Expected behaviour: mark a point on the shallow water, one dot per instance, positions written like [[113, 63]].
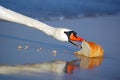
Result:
[[103, 30]]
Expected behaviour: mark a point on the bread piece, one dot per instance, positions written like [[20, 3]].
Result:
[[91, 49]]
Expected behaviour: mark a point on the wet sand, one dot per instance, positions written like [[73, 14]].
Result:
[[23, 48]]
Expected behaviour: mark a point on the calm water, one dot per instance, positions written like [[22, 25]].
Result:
[[38, 63], [34, 60]]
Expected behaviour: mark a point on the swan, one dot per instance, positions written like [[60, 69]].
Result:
[[61, 34]]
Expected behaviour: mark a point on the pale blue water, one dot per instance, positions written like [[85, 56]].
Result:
[[47, 9], [13, 35], [105, 32]]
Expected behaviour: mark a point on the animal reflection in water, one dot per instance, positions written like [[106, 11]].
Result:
[[57, 66]]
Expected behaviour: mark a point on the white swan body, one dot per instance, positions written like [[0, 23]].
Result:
[[61, 34]]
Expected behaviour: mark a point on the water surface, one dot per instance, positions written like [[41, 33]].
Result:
[[60, 9], [103, 30]]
